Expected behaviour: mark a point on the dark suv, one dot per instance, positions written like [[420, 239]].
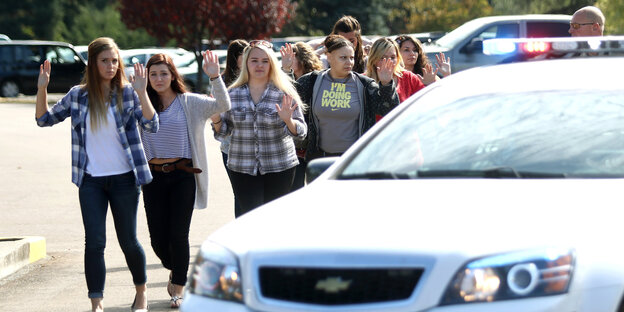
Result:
[[20, 60]]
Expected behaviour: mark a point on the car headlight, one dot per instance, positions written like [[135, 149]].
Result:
[[514, 275], [216, 274]]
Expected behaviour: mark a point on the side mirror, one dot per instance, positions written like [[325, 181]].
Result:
[[317, 166], [475, 45]]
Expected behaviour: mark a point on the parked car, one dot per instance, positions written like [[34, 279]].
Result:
[[181, 58], [184, 61], [190, 73], [426, 37], [20, 60], [464, 45], [83, 51], [495, 189]]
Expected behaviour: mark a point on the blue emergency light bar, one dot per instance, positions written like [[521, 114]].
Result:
[[561, 45]]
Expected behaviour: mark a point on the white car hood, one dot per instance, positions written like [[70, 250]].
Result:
[[466, 216]]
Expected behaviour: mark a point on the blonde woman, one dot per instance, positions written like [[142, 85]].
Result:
[[108, 161], [407, 83], [266, 115]]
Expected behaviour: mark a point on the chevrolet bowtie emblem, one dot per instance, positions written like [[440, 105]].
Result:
[[332, 285]]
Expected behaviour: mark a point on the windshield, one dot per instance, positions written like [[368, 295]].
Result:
[[549, 134], [460, 33]]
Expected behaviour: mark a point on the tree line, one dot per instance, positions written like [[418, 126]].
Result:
[[80, 21]]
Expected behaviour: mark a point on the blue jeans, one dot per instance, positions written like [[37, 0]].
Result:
[[122, 193]]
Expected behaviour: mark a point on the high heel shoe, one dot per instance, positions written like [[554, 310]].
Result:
[[138, 310]]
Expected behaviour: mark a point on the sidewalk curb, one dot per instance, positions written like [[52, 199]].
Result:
[[16, 252]]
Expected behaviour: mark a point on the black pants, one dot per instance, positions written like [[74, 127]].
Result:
[[253, 191], [237, 210], [299, 180], [169, 201]]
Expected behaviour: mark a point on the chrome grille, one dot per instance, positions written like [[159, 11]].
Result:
[[338, 286]]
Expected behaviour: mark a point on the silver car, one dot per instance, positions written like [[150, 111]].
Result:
[[495, 189], [464, 45]]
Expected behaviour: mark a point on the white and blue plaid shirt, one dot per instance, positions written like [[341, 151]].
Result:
[[75, 104], [261, 142]]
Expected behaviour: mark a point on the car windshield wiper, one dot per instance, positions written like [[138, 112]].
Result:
[[375, 175], [490, 173]]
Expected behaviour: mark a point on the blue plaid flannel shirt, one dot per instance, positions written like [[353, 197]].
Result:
[[75, 104]]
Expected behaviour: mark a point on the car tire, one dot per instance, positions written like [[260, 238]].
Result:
[[9, 88]]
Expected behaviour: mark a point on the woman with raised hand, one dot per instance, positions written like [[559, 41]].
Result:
[[300, 59], [108, 161], [343, 103], [233, 64], [406, 82], [178, 162], [416, 61], [266, 115]]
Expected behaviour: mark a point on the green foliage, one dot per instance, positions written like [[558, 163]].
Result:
[[445, 15], [30, 19], [75, 21], [317, 17], [614, 15], [512, 7], [91, 23]]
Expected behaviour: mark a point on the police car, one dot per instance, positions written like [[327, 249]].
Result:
[[553, 48], [497, 188]]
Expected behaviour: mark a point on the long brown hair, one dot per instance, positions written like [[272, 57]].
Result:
[[177, 84], [422, 57], [347, 24], [91, 81], [307, 57], [235, 49]]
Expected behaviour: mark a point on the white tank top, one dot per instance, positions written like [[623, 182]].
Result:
[[105, 154]]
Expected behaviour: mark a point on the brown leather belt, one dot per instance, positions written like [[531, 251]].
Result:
[[183, 164]]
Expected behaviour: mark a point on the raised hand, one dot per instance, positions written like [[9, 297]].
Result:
[[444, 64], [285, 112], [139, 79], [211, 64], [44, 75], [288, 56], [429, 74], [385, 71]]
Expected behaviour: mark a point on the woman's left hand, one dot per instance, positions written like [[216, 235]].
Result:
[[444, 64], [211, 64], [288, 56], [139, 79], [385, 71], [429, 75], [286, 111]]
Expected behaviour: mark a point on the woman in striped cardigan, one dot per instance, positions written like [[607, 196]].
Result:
[[177, 159]]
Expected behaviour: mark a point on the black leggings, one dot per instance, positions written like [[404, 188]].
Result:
[[169, 201], [253, 191]]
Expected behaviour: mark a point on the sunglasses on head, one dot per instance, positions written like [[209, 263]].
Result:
[[400, 40], [255, 43], [578, 25]]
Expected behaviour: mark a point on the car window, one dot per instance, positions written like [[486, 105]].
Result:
[[67, 55], [6, 54], [28, 54], [572, 134], [547, 29], [61, 55], [500, 31]]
